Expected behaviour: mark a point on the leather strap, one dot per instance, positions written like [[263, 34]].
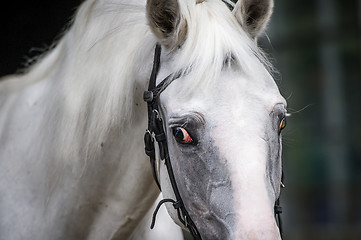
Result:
[[156, 129]]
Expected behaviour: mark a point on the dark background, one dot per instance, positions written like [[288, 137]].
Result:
[[27, 28], [316, 46]]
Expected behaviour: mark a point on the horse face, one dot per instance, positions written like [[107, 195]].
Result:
[[224, 137], [225, 148]]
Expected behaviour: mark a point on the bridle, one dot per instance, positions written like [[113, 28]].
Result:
[[156, 132], [155, 127]]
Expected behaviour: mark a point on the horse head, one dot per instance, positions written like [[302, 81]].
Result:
[[222, 114]]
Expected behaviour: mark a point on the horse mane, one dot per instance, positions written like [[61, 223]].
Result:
[[99, 60], [216, 40]]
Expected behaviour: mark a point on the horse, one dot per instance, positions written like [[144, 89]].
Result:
[[186, 73]]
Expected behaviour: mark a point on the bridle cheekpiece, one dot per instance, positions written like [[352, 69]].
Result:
[[156, 131]]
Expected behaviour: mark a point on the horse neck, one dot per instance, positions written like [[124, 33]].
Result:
[[95, 112], [98, 71]]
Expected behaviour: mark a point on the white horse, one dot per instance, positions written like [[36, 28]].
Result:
[[72, 162]]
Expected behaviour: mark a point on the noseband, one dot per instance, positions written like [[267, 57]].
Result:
[[156, 131]]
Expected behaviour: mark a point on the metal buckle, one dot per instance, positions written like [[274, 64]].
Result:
[[186, 221], [157, 114]]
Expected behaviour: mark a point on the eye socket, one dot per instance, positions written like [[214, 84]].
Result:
[[181, 135], [282, 125]]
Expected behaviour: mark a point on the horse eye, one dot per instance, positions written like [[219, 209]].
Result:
[[282, 125], [181, 135]]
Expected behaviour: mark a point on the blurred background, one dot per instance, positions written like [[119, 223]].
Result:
[[316, 47]]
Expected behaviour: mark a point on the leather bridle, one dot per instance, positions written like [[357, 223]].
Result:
[[156, 131]]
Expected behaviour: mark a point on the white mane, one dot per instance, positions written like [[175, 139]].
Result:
[[100, 59], [216, 40], [96, 64]]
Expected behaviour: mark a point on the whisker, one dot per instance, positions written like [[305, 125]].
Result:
[[300, 110], [289, 97]]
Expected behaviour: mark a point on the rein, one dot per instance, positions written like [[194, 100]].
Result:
[[156, 132]]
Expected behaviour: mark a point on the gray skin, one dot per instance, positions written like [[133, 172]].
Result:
[[204, 193], [274, 141]]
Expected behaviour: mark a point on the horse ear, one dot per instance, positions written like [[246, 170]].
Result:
[[254, 15], [164, 18]]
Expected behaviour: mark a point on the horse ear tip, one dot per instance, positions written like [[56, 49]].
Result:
[[164, 19], [254, 16]]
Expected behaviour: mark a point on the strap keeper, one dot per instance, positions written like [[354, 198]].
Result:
[[148, 96], [178, 204], [160, 137]]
